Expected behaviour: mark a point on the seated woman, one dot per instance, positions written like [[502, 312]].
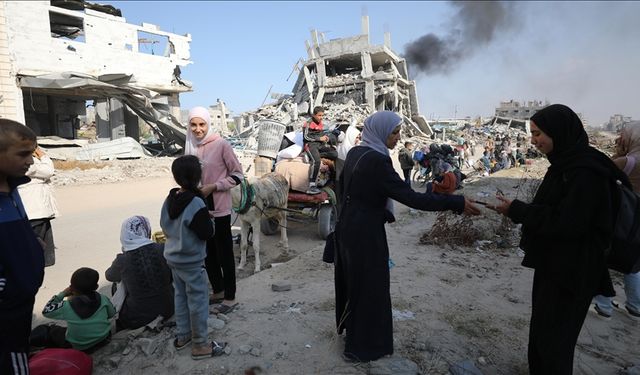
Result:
[[145, 275], [449, 180]]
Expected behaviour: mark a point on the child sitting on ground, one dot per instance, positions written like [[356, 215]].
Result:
[[186, 224], [86, 312]]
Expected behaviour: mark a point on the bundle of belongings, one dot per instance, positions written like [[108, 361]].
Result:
[[293, 161]]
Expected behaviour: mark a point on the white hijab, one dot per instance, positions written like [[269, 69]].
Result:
[[377, 129], [135, 233], [192, 143]]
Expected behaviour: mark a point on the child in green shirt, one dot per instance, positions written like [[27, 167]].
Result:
[[86, 312]]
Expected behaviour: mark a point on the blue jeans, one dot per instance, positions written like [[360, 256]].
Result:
[[631, 289], [191, 303]]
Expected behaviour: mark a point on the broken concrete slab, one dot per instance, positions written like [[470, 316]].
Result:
[[281, 286]]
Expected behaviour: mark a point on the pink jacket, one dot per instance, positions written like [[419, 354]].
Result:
[[219, 163]]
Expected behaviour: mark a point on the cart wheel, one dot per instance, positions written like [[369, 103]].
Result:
[[327, 216], [269, 226]]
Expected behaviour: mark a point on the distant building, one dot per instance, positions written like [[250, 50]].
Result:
[[616, 122], [514, 109]]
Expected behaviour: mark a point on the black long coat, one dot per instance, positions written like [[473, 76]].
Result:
[[363, 303]]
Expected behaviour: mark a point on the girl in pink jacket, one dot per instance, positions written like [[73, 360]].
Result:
[[221, 171]]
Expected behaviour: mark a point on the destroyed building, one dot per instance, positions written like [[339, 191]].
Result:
[[351, 78], [616, 122], [58, 57], [513, 109]]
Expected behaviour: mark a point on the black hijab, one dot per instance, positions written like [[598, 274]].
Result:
[[571, 143]]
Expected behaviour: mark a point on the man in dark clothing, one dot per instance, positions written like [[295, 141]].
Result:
[[318, 144], [406, 161], [21, 255]]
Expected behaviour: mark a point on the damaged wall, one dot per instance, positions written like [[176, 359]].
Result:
[[110, 46]]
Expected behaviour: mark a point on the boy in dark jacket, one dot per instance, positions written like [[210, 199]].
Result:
[[86, 312], [186, 223], [21, 255]]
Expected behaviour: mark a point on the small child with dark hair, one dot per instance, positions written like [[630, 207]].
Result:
[[86, 312], [187, 225]]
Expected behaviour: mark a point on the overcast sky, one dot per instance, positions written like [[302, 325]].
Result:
[[465, 57]]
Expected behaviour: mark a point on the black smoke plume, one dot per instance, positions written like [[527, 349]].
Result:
[[475, 24]]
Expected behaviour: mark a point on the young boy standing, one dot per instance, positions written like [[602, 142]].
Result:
[[21, 254], [186, 224]]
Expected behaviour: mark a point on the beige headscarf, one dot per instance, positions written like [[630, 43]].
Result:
[[629, 146]]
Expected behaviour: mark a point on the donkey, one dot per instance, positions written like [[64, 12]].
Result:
[[261, 198]]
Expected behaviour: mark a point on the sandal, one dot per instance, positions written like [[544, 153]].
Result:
[[180, 346], [223, 309], [215, 300]]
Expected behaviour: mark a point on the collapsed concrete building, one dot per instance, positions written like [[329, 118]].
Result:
[[58, 56], [349, 77]]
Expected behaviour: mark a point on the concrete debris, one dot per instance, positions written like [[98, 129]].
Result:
[[215, 324], [465, 367], [400, 315], [244, 349], [148, 345], [393, 366], [281, 286]]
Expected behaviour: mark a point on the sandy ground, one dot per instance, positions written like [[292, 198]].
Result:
[[451, 302]]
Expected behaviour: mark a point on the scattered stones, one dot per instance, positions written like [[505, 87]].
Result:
[[223, 317], [482, 361], [281, 286], [113, 362], [148, 346], [465, 367], [393, 366], [244, 349], [255, 352], [215, 323]]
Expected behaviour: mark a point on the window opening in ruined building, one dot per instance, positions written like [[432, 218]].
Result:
[[347, 64], [67, 27], [154, 44]]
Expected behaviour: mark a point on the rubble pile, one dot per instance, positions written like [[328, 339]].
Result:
[[351, 79], [111, 171]]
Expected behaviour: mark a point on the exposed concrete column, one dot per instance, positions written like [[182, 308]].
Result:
[[367, 66], [103, 130], [402, 68], [369, 92], [413, 98], [365, 27], [321, 72], [116, 119], [310, 50], [174, 104]]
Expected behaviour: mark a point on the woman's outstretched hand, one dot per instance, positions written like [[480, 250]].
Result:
[[503, 206], [470, 208]]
